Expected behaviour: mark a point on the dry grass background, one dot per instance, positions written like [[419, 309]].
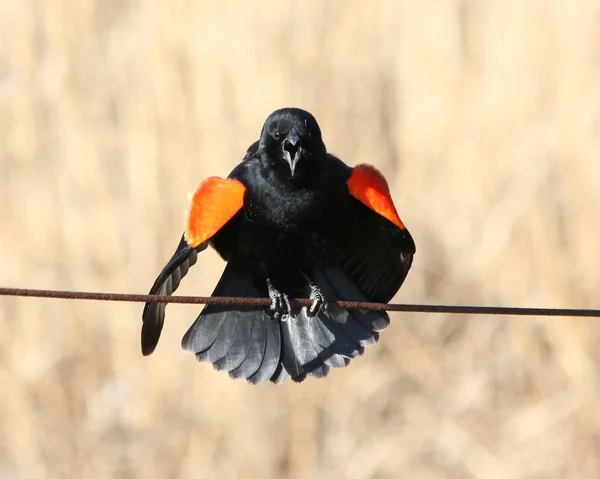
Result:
[[485, 115]]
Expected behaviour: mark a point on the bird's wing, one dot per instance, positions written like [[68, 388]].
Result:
[[381, 250], [214, 203]]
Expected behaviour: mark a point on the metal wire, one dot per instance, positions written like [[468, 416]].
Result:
[[234, 301]]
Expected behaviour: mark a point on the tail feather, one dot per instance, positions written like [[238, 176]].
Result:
[[342, 344], [248, 344], [223, 342], [239, 347], [241, 340], [203, 333], [335, 286], [290, 354], [313, 345], [324, 340], [280, 374], [342, 288], [305, 346], [352, 328], [254, 357], [271, 355]]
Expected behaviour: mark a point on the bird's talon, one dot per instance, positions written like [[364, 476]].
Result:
[[286, 300], [280, 303], [319, 304]]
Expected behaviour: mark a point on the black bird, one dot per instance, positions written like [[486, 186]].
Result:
[[291, 220]]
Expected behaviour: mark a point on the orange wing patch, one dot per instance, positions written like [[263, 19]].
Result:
[[369, 186], [212, 205]]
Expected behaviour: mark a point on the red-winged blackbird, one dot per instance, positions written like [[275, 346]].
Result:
[[291, 220]]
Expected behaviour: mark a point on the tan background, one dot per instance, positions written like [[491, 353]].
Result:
[[485, 115]]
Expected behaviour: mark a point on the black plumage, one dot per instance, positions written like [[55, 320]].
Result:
[[298, 233]]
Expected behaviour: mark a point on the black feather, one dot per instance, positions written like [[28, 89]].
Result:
[[167, 282], [224, 340], [289, 357], [324, 341], [378, 256], [256, 349], [271, 355], [233, 338], [239, 348], [304, 347], [298, 216]]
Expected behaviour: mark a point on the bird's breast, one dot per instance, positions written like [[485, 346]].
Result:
[[284, 210], [283, 230]]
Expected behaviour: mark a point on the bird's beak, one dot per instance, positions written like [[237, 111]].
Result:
[[291, 149]]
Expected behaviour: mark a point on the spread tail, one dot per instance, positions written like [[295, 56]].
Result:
[[248, 344]]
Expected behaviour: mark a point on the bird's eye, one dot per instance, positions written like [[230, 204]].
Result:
[[276, 134]]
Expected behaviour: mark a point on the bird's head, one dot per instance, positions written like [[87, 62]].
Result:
[[291, 141]]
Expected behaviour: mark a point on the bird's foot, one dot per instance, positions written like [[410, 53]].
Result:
[[280, 307], [319, 304]]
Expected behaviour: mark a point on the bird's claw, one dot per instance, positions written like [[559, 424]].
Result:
[[280, 307], [319, 304]]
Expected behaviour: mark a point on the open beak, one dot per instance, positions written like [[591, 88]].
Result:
[[292, 150]]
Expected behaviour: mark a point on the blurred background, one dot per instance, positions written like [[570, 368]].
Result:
[[485, 117]]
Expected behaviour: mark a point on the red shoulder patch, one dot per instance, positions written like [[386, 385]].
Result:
[[212, 205], [369, 186]]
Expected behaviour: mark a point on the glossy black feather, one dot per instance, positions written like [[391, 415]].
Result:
[[378, 255], [271, 354], [167, 282], [292, 227]]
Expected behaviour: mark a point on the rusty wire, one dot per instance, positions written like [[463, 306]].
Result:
[[235, 301]]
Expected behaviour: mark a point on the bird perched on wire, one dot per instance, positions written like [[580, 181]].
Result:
[[291, 220]]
